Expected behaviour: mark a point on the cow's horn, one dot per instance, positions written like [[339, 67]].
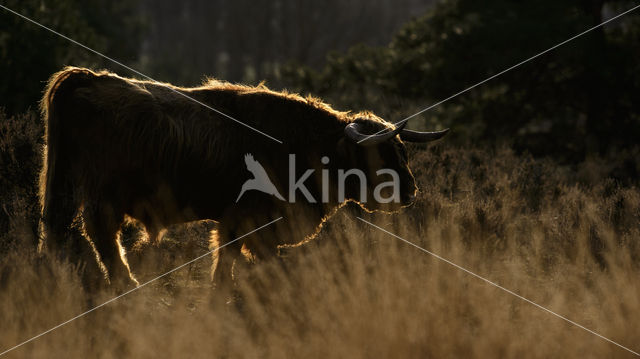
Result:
[[415, 136], [353, 132]]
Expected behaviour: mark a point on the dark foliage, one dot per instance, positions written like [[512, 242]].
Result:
[[20, 163], [573, 101], [29, 54]]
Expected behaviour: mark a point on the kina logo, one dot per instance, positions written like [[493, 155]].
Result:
[[260, 181]]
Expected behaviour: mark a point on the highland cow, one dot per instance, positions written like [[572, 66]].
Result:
[[121, 147]]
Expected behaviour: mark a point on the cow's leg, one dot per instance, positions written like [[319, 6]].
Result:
[[58, 213], [60, 236], [269, 271], [102, 223], [224, 258], [263, 247]]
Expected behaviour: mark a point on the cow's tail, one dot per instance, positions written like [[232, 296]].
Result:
[[58, 202]]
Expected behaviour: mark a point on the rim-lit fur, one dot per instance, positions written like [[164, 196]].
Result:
[[121, 147]]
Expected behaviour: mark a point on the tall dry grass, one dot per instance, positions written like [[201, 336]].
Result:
[[566, 238]]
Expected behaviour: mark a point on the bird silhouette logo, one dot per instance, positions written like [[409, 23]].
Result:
[[260, 180]]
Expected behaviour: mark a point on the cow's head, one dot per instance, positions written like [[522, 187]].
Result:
[[373, 145]]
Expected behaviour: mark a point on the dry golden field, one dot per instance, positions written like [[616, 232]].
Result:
[[566, 238]]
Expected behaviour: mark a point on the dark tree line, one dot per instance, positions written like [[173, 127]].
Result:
[[184, 41], [30, 54], [576, 100], [247, 40]]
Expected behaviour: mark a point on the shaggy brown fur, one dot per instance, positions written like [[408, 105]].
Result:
[[119, 146]]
